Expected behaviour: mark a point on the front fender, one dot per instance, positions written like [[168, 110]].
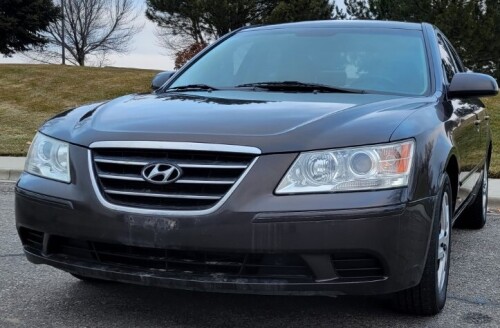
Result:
[[430, 127]]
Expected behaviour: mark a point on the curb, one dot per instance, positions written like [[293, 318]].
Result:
[[493, 202], [11, 167], [10, 175]]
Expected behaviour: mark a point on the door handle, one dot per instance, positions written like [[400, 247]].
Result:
[[477, 122]]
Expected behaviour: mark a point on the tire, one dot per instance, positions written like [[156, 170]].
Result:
[[474, 217], [89, 279], [429, 296]]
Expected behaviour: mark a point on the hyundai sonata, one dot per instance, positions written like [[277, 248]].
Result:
[[322, 158]]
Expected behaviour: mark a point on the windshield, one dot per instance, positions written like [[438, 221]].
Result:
[[371, 60]]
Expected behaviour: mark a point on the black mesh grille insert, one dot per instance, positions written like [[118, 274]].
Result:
[[31, 238], [357, 265], [231, 265]]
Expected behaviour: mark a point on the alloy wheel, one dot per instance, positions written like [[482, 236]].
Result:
[[485, 189], [444, 242]]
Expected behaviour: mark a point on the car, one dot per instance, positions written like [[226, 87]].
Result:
[[311, 158]]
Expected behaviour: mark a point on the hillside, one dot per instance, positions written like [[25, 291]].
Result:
[[29, 94], [493, 105]]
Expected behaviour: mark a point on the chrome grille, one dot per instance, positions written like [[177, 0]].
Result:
[[208, 176]]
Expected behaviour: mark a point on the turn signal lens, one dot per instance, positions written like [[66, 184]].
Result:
[[396, 159]]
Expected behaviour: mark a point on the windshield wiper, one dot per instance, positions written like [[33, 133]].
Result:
[[298, 86], [192, 87]]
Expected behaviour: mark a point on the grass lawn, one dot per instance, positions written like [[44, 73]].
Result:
[[30, 94], [493, 105]]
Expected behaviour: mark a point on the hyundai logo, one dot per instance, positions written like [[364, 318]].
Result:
[[161, 173]]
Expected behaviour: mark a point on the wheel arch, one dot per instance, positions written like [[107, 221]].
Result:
[[453, 170]]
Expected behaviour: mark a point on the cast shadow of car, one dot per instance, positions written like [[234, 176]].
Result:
[[129, 305]]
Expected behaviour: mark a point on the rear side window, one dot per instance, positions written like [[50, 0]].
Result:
[[458, 61]]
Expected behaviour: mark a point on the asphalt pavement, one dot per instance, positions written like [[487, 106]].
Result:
[[41, 296]]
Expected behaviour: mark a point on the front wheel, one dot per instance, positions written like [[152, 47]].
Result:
[[429, 296]]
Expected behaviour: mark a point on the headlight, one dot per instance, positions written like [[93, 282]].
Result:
[[48, 158], [350, 169]]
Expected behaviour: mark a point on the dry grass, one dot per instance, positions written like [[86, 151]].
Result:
[[493, 105], [30, 94]]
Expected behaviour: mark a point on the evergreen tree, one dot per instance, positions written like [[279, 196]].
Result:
[[22, 23], [473, 26], [300, 10], [487, 56], [200, 21]]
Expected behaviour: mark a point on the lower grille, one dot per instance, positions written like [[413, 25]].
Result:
[[290, 267], [32, 239], [357, 265], [232, 265]]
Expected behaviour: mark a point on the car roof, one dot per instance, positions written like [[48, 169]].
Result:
[[343, 24]]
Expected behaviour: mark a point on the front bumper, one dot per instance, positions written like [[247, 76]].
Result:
[[323, 244]]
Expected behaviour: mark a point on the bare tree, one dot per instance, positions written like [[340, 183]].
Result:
[[183, 24], [173, 41], [92, 27]]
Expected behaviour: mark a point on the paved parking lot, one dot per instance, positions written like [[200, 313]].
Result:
[[39, 296]]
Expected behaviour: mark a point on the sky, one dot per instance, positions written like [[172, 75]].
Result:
[[145, 50]]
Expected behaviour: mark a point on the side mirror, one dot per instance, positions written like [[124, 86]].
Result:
[[466, 85], [160, 79]]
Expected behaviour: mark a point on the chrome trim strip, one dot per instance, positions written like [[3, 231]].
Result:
[[120, 177], [191, 166], [152, 195], [128, 209], [112, 161], [217, 182], [210, 166], [183, 181], [177, 146]]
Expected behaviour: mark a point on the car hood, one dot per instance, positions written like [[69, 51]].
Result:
[[272, 122]]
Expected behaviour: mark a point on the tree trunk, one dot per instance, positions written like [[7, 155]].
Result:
[[81, 59]]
